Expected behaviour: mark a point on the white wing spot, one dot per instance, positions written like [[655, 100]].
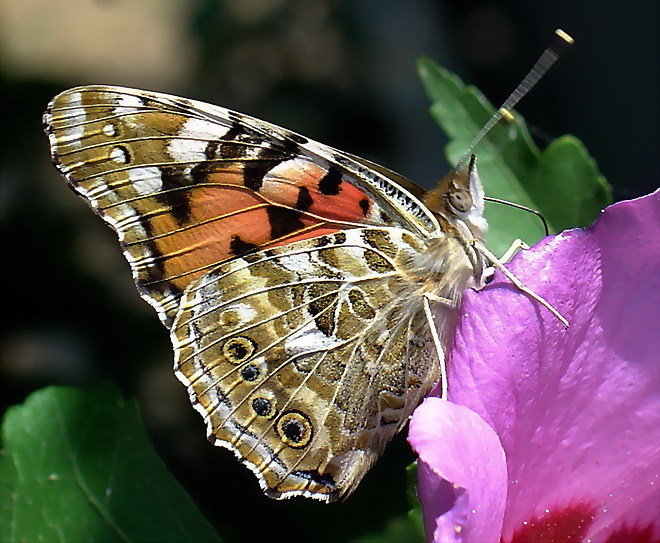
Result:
[[310, 338], [75, 119], [237, 315], [296, 263], [119, 155], [146, 180], [110, 130], [128, 104], [189, 145]]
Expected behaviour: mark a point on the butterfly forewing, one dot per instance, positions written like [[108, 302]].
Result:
[[186, 189]]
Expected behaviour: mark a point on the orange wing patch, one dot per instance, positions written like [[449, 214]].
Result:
[[225, 219], [307, 186]]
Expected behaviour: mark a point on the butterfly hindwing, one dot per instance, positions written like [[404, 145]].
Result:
[[306, 359]]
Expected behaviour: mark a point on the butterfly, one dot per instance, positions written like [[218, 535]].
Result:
[[310, 294]]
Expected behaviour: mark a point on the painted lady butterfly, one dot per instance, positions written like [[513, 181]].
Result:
[[299, 283]]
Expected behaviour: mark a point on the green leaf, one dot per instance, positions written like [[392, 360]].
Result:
[[396, 530], [562, 182], [409, 528], [415, 513], [78, 466]]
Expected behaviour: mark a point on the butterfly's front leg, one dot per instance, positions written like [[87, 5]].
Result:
[[516, 246], [497, 263]]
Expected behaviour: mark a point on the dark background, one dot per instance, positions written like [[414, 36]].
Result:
[[341, 72]]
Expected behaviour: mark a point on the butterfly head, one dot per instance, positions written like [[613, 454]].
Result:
[[459, 199]]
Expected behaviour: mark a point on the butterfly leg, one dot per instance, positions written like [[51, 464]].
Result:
[[516, 246], [451, 304], [497, 263], [436, 337]]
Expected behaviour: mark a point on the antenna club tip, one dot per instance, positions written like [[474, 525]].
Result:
[[564, 36], [506, 115]]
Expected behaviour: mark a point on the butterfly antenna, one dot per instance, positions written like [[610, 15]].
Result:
[[543, 64], [522, 207]]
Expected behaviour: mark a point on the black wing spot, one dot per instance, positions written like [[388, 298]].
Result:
[[385, 217], [239, 247], [283, 221], [211, 150], [255, 169], [230, 147], [330, 183], [199, 172], [174, 193], [261, 406], [250, 373], [297, 138], [295, 429], [365, 205], [305, 200], [238, 349], [340, 238], [289, 148], [323, 241]]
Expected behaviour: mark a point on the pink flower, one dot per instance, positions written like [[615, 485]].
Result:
[[553, 434]]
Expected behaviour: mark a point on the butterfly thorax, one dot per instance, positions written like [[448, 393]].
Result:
[[452, 262]]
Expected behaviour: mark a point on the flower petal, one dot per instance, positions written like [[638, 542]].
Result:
[[461, 472], [577, 410]]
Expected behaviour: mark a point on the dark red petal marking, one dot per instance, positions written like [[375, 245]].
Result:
[[568, 525], [633, 535]]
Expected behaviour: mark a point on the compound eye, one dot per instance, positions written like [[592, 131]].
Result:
[[460, 200]]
